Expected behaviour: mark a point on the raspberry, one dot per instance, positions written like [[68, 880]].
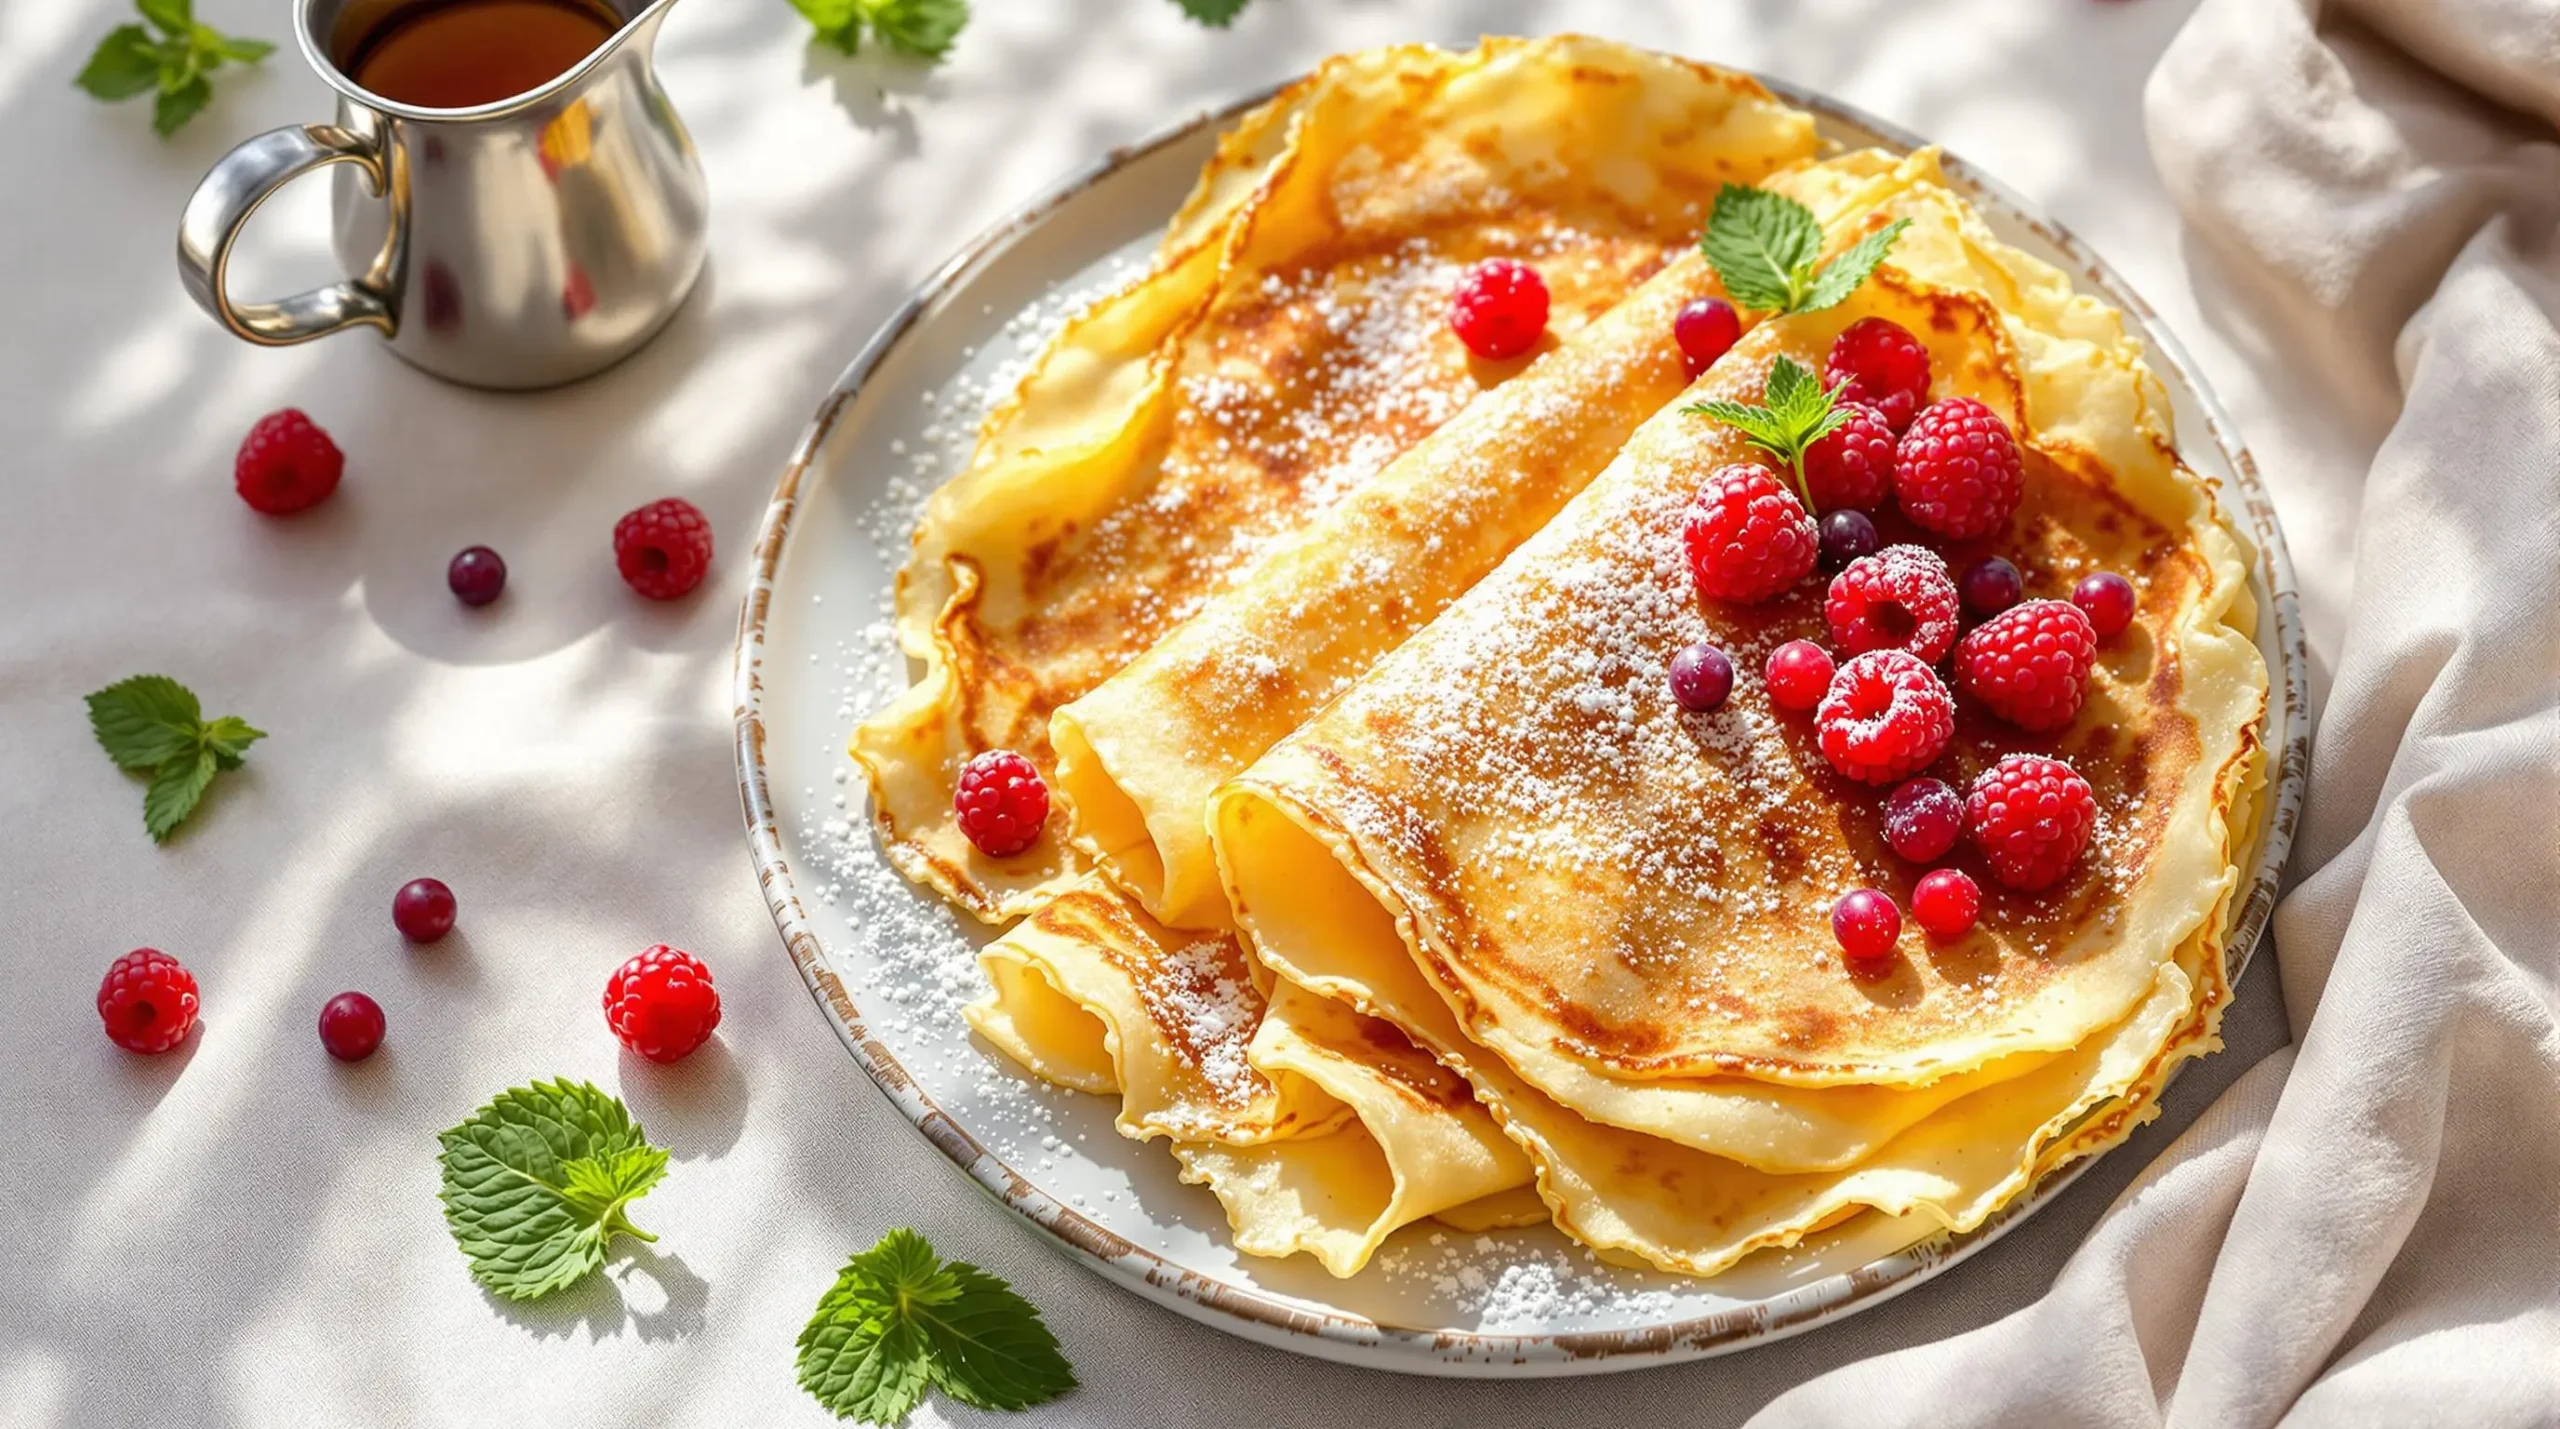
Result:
[[2031, 817], [1991, 585], [1798, 674], [422, 910], [1945, 901], [477, 576], [1956, 472], [1701, 677], [1847, 536], [1852, 468], [1897, 599], [1748, 537], [1886, 715], [286, 464], [663, 548], [1501, 309], [2107, 599], [148, 1001], [2030, 663], [662, 1004], [1866, 923], [1885, 366], [1002, 803], [1705, 329], [1922, 820], [351, 1026]]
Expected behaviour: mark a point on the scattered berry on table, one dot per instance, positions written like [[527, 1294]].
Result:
[[1798, 674], [1701, 677], [148, 1001], [1956, 472], [661, 1004], [1748, 536], [2030, 816], [1885, 366], [1705, 329], [1500, 310], [1990, 586], [1923, 818], [423, 910], [2030, 663], [1853, 466], [2107, 599], [663, 548], [1900, 598], [476, 576], [1946, 902], [1846, 536], [286, 464], [1866, 923], [351, 1026], [1002, 802], [1885, 716]]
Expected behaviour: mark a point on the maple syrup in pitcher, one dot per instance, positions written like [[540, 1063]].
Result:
[[458, 54]]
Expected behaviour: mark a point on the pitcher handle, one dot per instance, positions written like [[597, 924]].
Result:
[[232, 190]]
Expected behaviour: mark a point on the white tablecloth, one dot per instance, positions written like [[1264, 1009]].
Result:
[[247, 1233]]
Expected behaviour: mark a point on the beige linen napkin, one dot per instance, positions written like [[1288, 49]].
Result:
[[2366, 1228]]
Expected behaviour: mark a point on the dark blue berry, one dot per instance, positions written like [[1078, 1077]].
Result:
[[1990, 587], [1847, 536]]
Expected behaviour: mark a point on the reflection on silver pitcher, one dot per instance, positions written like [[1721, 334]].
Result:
[[520, 243]]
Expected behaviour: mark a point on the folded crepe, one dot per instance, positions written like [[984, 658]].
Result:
[[1290, 340], [1610, 915]]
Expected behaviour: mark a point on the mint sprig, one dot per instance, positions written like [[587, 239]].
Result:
[[918, 29], [131, 61], [539, 1181], [1216, 14], [1794, 412], [151, 724], [900, 1320], [1766, 248]]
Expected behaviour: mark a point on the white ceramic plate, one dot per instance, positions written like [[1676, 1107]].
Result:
[[889, 967]]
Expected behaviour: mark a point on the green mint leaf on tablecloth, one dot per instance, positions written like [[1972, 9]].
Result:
[[229, 738], [899, 1319], [174, 791], [176, 106], [1217, 14], [835, 22], [538, 1182], [174, 18], [247, 52], [1792, 414], [142, 721], [126, 63], [918, 29], [1762, 246], [1841, 276]]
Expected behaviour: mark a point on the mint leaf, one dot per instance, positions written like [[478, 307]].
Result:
[[176, 106], [537, 1183], [1216, 14], [835, 22], [174, 18], [143, 721], [174, 792], [1793, 413], [918, 29], [1762, 246], [1841, 276], [230, 737], [247, 52], [898, 1318], [126, 63]]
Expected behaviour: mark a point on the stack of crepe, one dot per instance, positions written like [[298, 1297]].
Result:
[[1387, 881]]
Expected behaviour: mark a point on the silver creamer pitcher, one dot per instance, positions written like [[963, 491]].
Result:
[[523, 243]]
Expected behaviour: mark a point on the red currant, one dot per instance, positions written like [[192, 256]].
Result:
[[1798, 675], [351, 1026], [423, 910], [1922, 820], [2107, 599], [1946, 902], [1866, 923], [1501, 309], [1701, 677], [1991, 586], [1705, 329]]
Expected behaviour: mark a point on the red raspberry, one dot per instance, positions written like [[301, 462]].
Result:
[[1501, 309], [1885, 716], [1749, 538], [148, 1001], [286, 464], [1853, 467], [661, 1004], [1900, 598], [1885, 366], [1798, 674], [1866, 923], [1922, 820], [663, 548], [2031, 817], [2107, 599], [1945, 901], [1002, 802], [2030, 663], [1956, 471], [1705, 329]]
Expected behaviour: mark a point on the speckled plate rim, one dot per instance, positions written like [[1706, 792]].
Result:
[[1352, 1338]]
